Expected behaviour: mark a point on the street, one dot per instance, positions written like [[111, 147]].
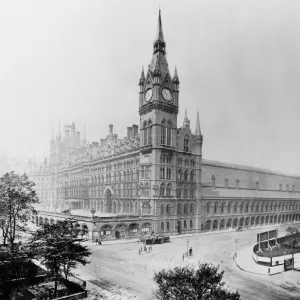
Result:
[[121, 265]]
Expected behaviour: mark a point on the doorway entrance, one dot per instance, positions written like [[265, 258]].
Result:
[[117, 235]]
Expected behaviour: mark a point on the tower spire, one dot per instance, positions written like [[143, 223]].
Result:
[[159, 31], [198, 130]]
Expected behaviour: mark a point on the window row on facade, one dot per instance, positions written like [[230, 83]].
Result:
[[237, 184], [241, 207], [217, 224]]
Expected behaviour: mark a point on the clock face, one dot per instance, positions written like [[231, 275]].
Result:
[[167, 94], [148, 94]]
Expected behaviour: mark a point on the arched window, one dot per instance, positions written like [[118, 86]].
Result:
[[167, 209], [142, 189], [162, 226], [145, 134], [179, 209], [185, 209], [191, 192], [162, 189], [168, 226], [222, 208], [247, 207], [229, 207], [179, 192], [186, 143], [192, 176], [169, 134], [162, 209], [235, 207], [147, 189], [180, 175], [169, 189], [185, 192], [163, 132], [191, 208], [207, 207], [215, 208], [149, 132], [191, 223], [185, 175]]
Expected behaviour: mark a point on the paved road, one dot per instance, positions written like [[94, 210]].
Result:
[[120, 264]]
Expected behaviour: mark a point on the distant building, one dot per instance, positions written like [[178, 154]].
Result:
[[154, 179]]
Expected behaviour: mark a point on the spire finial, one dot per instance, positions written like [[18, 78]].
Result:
[[159, 32], [175, 77], [198, 130], [142, 79]]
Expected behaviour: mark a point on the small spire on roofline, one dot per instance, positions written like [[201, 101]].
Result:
[[142, 79], [175, 77], [198, 130]]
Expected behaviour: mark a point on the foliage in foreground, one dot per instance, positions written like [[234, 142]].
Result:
[[59, 250], [202, 282], [17, 199]]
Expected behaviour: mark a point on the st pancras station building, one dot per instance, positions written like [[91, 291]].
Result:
[[155, 180]]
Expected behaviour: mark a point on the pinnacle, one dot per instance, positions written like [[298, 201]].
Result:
[[159, 32], [198, 130], [175, 77], [142, 79]]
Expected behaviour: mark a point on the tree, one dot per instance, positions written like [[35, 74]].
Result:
[[17, 199], [294, 233], [190, 283], [59, 250]]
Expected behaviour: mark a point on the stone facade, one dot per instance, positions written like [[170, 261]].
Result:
[[154, 179]]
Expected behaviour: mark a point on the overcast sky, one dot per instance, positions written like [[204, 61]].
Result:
[[238, 63]]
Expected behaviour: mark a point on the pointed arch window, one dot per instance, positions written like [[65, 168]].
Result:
[[185, 175], [191, 192], [169, 133], [149, 132], [145, 134], [207, 207], [162, 189], [185, 192], [169, 189], [179, 192], [163, 132]]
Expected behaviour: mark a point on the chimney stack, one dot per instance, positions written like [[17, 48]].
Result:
[[129, 132], [111, 131], [135, 129]]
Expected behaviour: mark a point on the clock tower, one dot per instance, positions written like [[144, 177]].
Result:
[[158, 109]]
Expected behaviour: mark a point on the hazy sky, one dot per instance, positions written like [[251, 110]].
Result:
[[238, 63]]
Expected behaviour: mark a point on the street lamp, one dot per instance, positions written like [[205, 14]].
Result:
[[187, 247], [93, 210], [236, 241]]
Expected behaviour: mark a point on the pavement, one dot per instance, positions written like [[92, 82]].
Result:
[[245, 262]]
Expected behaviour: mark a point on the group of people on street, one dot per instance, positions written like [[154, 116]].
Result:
[[145, 249]]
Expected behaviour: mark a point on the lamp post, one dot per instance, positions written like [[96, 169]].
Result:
[[187, 247], [236, 241], [93, 210]]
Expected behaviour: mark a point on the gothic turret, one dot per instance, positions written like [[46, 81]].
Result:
[[198, 130]]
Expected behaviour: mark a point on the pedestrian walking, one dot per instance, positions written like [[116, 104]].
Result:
[[183, 257], [191, 252]]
